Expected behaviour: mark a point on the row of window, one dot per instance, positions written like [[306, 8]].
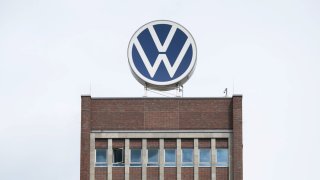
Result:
[[222, 157]]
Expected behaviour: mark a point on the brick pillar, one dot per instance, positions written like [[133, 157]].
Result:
[[92, 156], [85, 137], [237, 146]]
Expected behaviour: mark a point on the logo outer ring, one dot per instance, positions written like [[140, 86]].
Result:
[[168, 85]]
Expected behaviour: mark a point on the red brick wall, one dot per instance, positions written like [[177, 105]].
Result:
[[221, 143], [204, 143], [205, 173], [170, 143], [204, 114], [153, 173], [187, 173], [135, 143], [85, 138], [222, 173], [135, 173], [149, 114], [170, 173], [162, 114], [101, 173], [118, 173], [153, 143], [237, 138], [118, 143], [101, 143], [187, 143]]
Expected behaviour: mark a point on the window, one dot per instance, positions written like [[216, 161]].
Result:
[[135, 159], [222, 158], [118, 157], [205, 157], [170, 157], [187, 157], [101, 157], [153, 157]]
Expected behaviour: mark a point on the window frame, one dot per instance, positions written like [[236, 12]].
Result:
[[228, 158], [153, 164], [170, 164], [187, 164], [118, 164], [205, 164], [100, 164], [136, 164]]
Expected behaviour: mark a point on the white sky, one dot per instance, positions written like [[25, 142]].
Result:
[[51, 50]]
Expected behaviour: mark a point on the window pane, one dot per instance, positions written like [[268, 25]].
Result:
[[153, 156], [205, 155], [117, 155], [222, 157], [187, 155], [170, 155], [101, 157], [136, 155]]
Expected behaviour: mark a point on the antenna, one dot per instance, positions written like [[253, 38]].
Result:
[[233, 87], [90, 87], [226, 92]]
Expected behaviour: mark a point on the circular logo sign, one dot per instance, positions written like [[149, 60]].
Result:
[[162, 55]]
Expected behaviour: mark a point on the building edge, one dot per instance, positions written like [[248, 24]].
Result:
[[85, 137], [237, 144]]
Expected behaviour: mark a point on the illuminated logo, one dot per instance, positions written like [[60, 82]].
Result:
[[162, 55]]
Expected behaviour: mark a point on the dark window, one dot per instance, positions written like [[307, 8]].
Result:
[[118, 157]]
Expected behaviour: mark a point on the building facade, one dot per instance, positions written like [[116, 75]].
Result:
[[161, 138]]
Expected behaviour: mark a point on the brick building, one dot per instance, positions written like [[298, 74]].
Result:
[[161, 138]]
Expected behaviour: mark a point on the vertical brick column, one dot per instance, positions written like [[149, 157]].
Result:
[[237, 145], [92, 156], [85, 137], [213, 159], [230, 158]]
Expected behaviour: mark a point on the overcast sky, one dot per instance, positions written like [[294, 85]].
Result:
[[50, 51]]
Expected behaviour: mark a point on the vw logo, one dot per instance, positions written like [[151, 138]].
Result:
[[162, 55]]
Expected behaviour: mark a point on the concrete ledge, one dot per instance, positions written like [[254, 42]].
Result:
[[163, 131], [147, 135]]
